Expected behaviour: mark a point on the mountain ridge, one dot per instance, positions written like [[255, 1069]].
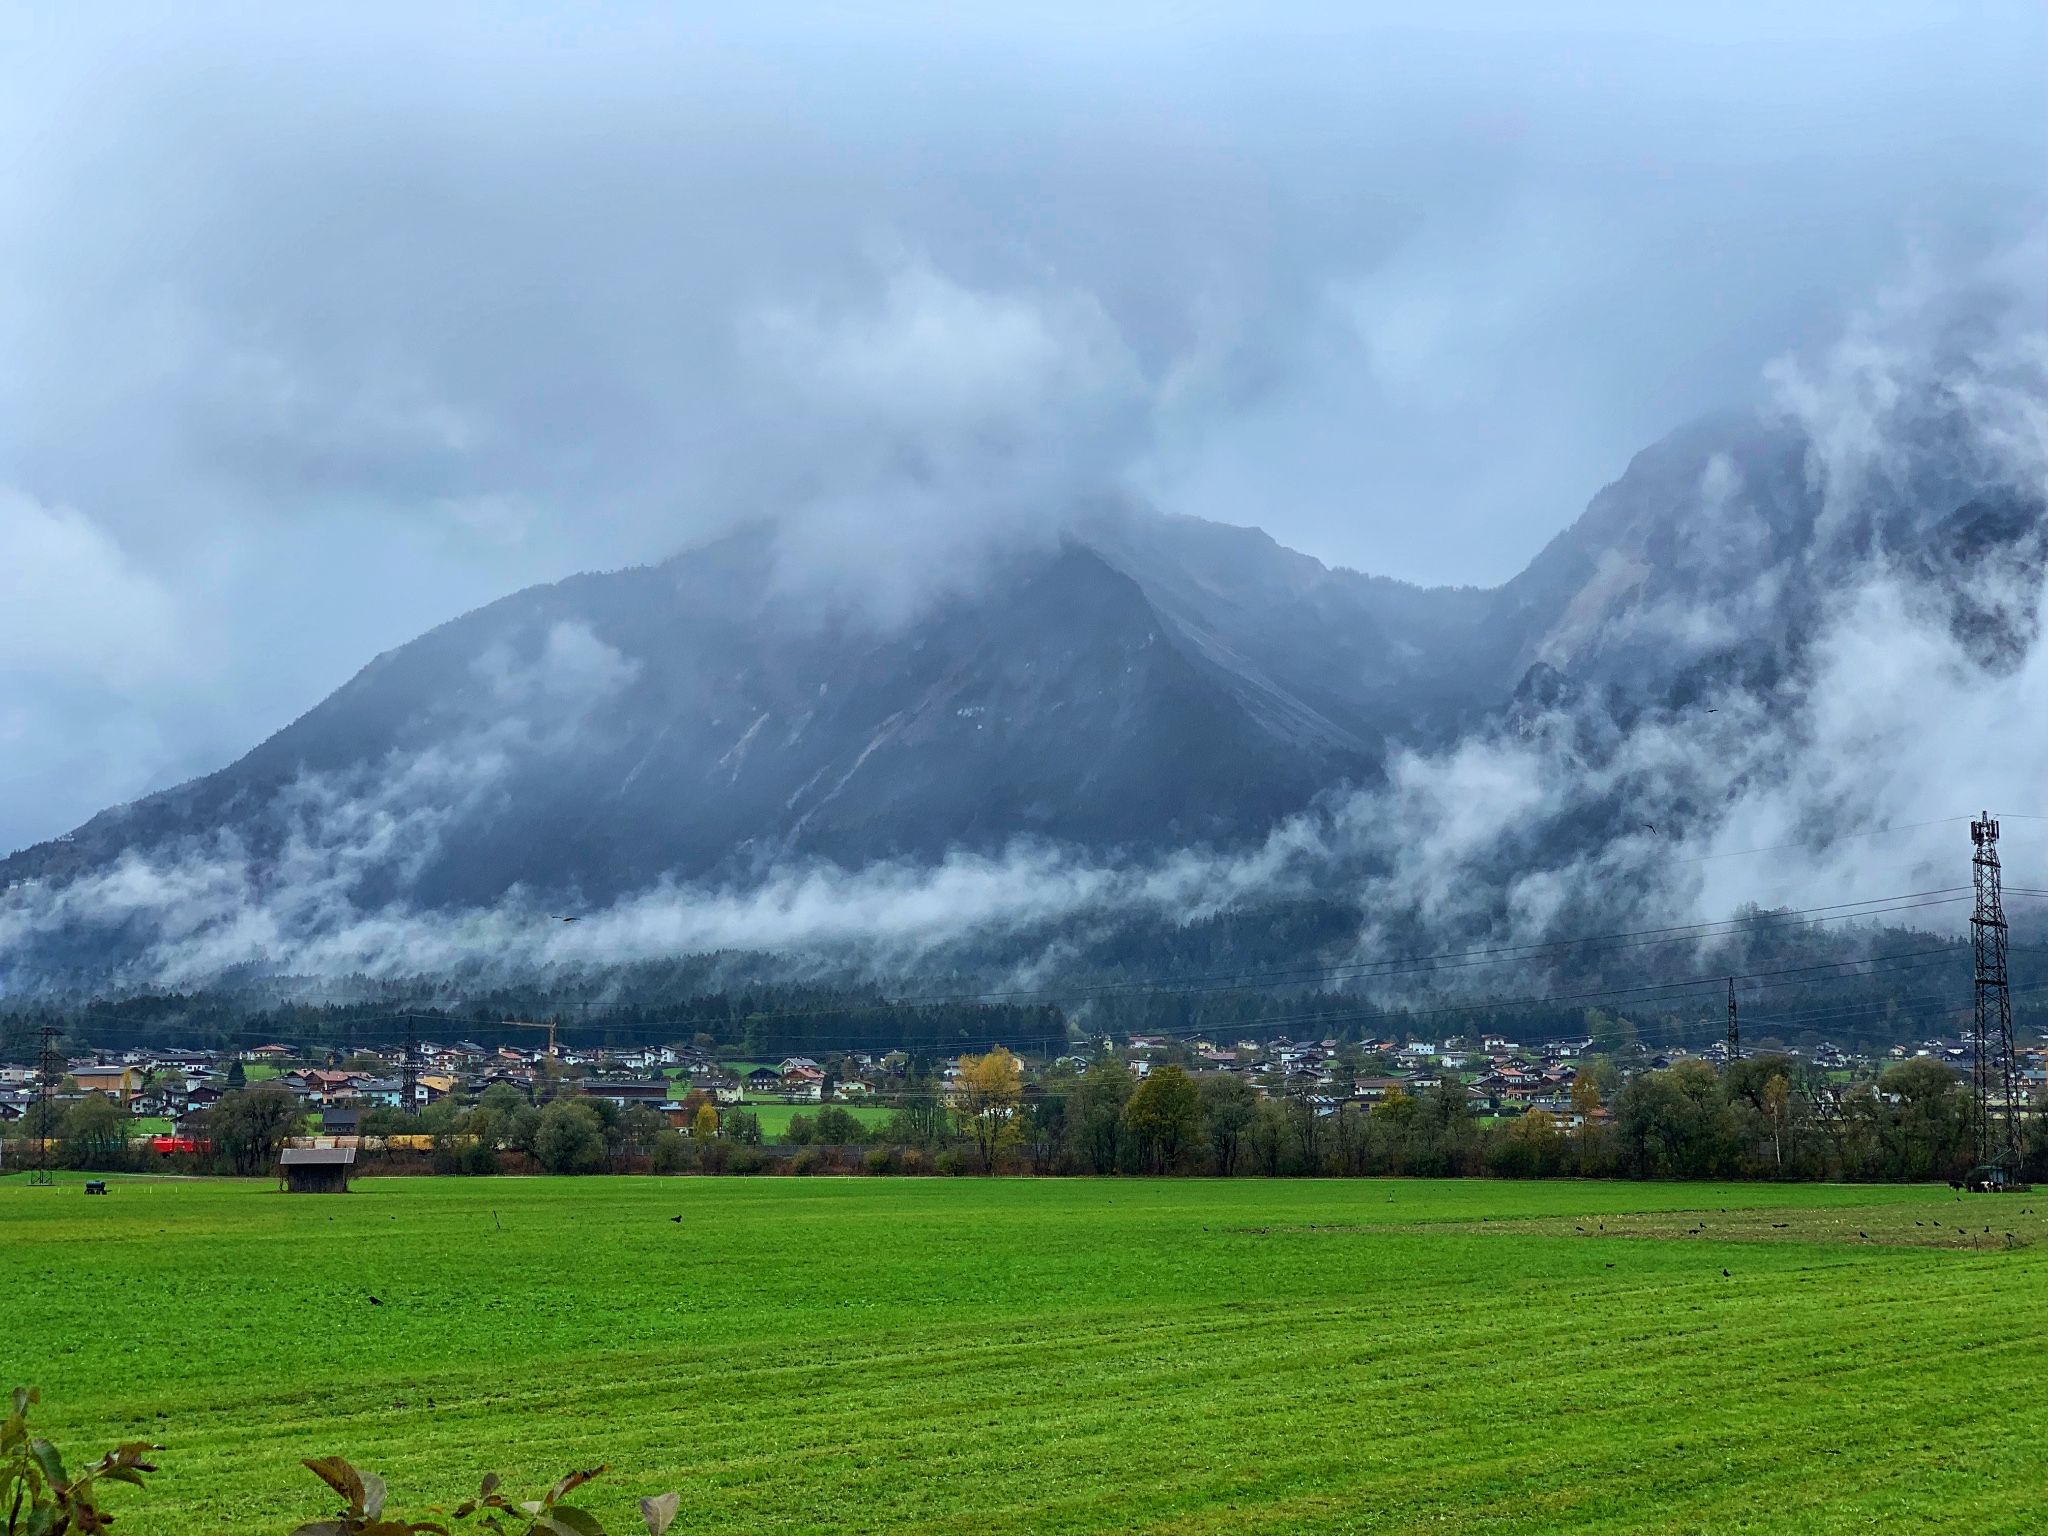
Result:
[[1148, 682]]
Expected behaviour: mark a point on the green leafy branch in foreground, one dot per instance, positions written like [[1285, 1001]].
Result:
[[38, 1496], [544, 1516]]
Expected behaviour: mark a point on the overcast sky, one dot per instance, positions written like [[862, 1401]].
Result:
[[319, 325]]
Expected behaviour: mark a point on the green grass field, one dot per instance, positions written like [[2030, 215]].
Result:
[[960, 1356], [775, 1118]]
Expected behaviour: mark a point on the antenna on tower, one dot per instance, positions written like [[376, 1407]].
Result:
[[1734, 1034], [1992, 1072], [49, 1073]]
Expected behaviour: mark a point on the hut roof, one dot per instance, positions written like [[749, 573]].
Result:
[[292, 1156]]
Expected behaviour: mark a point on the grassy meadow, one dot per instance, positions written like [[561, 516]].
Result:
[[775, 1117], [963, 1356]]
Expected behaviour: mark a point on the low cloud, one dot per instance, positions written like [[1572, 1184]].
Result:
[[73, 604], [936, 427], [1705, 811], [574, 667]]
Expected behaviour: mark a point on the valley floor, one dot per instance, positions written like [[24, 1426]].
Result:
[[935, 1355]]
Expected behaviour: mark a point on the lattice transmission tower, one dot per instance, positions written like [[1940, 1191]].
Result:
[[409, 1073], [1994, 1075]]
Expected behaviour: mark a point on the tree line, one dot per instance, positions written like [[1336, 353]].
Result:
[[1769, 1117]]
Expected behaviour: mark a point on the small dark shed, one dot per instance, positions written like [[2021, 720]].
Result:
[[317, 1170]]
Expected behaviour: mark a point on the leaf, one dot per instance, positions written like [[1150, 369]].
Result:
[[659, 1512], [489, 1486], [571, 1481], [321, 1528], [568, 1520], [340, 1476], [46, 1457], [373, 1495]]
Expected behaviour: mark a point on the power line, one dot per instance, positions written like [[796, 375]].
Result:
[[1367, 970], [1736, 853], [1360, 971], [1363, 970]]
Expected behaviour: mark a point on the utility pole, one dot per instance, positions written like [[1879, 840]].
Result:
[[49, 1073], [1992, 1075], [1734, 1034], [409, 1074]]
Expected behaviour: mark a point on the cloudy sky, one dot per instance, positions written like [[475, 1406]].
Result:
[[319, 325]]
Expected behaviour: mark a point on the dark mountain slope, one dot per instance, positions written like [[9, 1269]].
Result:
[[592, 736], [1316, 653]]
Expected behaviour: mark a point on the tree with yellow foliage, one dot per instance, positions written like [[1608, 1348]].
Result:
[[705, 1126], [990, 1089], [1585, 1095]]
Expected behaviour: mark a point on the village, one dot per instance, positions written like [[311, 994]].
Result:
[[167, 1092]]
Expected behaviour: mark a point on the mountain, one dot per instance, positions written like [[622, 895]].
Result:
[[589, 737], [1149, 682]]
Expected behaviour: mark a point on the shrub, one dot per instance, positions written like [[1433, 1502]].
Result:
[[809, 1160], [251, 1125], [884, 1160], [713, 1156], [38, 1497], [364, 1514], [836, 1127], [477, 1158], [745, 1159], [672, 1153], [95, 1133], [570, 1139], [913, 1160], [950, 1163]]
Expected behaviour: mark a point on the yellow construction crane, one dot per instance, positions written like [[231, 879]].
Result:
[[549, 1027]]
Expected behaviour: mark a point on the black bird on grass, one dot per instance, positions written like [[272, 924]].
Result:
[[375, 1302], [675, 1218]]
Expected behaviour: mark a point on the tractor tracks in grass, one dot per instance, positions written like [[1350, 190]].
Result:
[[1968, 1223]]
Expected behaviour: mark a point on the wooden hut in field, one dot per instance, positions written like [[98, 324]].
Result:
[[316, 1170]]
